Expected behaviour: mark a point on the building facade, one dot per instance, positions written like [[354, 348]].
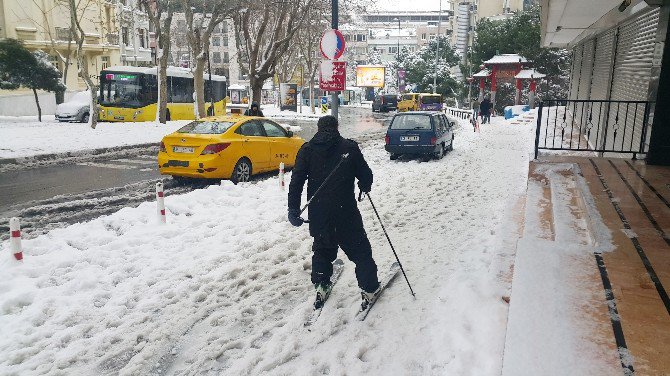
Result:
[[134, 33], [44, 25], [223, 55]]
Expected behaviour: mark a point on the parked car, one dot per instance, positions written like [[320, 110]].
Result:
[[231, 147], [76, 109], [385, 103], [426, 134]]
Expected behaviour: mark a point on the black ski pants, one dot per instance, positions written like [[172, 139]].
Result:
[[356, 246]]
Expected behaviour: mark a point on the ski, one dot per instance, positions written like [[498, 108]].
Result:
[[338, 268], [392, 273]]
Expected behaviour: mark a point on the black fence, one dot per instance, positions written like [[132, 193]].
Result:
[[593, 125], [461, 114]]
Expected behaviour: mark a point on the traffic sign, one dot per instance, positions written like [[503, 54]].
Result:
[[337, 80], [332, 44]]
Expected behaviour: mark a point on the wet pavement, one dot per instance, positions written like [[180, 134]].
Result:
[[51, 197]]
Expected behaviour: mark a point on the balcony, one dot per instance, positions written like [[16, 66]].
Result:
[[63, 34], [112, 38]]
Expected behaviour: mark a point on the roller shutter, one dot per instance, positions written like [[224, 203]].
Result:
[[630, 81], [600, 85], [576, 68]]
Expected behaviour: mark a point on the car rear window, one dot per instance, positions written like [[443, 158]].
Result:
[[411, 122], [206, 127], [390, 98]]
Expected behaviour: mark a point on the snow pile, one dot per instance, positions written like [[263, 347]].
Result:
[[224, 288], [276, 114], [21, 138]]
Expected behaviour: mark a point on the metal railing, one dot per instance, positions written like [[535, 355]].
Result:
[[593, 126], [459, 113]]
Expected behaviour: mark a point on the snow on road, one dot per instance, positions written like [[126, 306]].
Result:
[[224, 287]]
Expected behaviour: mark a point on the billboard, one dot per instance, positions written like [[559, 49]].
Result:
[[370, 75], [288, 97]]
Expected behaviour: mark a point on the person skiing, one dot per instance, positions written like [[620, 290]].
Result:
[[485, 108], [334, 219], [254, 110]]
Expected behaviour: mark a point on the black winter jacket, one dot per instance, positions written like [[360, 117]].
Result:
[[335, 206]]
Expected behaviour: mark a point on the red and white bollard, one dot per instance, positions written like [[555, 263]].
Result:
[[281, 176], [160, 203], [15, 239]]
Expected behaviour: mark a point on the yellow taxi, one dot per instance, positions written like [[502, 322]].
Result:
[[231, 147]]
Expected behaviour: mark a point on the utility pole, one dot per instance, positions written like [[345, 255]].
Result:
[[437, 53], [397, 71], [334, 99]]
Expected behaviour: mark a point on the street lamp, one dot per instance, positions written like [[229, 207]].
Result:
[[397, 70]]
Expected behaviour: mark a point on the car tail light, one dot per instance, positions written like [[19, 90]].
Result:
[[433, 140], [387, 139], [162, 147], [215, 148]]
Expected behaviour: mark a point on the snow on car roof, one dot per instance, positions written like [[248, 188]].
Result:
[[171, 71]]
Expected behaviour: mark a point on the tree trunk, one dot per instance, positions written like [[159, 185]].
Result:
[[199, 87], [39, 109], [311, 94], [162, 87], [256, 86]]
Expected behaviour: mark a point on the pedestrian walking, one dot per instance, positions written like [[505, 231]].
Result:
[[330, 164], [475, 109], [254, 110], [485, 109]]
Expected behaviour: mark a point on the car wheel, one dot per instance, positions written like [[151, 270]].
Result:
[[242, 171], [451, 145], [440, 153], [85, 117], [393, 157]]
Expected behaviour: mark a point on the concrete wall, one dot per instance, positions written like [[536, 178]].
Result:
[[24, 104]]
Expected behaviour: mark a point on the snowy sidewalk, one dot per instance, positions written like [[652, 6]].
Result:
[[224, 287]]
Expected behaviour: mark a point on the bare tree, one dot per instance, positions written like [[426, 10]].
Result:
[[160, 15], [200, 27], [264, 31], [77, 32], [308, 40]]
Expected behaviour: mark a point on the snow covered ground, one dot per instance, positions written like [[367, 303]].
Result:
[[224, 288], [25, 137]]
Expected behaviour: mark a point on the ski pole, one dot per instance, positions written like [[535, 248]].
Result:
[[344, 156], [391, 244]]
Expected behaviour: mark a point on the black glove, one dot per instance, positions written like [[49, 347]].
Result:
[[294, 217], [364, 188]]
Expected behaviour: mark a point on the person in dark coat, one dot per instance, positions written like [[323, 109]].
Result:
[[334, 219], [254, 110], [485, 109]]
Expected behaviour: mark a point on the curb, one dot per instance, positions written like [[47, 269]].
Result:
[[46, 160]]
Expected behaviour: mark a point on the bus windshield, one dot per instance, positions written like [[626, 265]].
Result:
[[122, 90], [431, 99]]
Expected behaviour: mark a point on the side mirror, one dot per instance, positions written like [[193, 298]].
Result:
[[290, 134]]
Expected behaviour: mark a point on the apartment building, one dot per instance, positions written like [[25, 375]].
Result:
[[134, 33], [222, 50], [44, 25]]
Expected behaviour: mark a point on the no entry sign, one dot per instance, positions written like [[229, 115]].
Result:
[[332, 44]]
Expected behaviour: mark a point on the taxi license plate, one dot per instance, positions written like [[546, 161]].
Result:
[[182, 149], [409, 138]]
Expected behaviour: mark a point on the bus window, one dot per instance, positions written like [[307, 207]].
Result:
[[431, 99], [181, 90]]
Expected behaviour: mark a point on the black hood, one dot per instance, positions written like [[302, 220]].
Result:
[[325, 141], [254, 104]]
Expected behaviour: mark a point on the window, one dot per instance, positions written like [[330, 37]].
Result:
[[423, 36], [124, 35], [361, 37], [251, 128], [431, 37], [105, 62], [411, 122], [224, 26], [216, 57], [226, 59], [206, 127], [141, 34], [273, 130], [181, 90], [216, 41], [393, 50]]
